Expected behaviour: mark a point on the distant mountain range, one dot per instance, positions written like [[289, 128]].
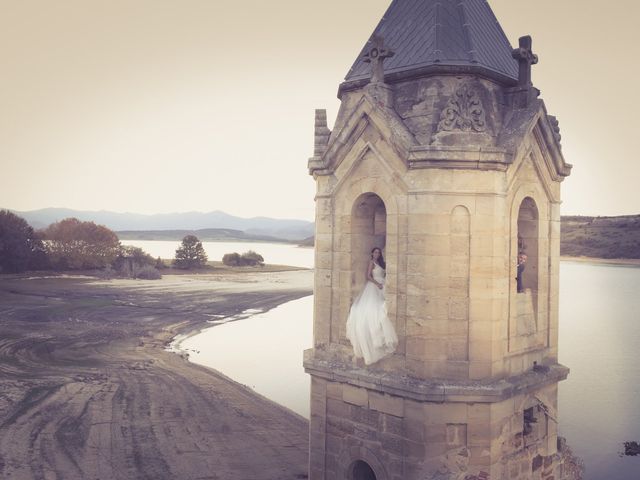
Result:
[[190, 221]]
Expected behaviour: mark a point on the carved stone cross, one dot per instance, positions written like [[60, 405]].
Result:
[[525, 58], [375, 56]]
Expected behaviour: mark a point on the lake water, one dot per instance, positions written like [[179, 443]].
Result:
[[262, 351], [273, 253], [599, 404], [599, 407]]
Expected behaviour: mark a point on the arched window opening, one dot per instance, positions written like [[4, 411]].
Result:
[[368, 230], [527, 272], [362, 471]]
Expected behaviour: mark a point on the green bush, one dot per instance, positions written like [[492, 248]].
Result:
[[148, 272], [231, 259], [252, 258], [249, 258]]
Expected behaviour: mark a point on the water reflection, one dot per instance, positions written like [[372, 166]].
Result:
[[263, 352]]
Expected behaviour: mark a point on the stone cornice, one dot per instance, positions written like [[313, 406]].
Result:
[[431, 70], [469, 391], [479, 158]]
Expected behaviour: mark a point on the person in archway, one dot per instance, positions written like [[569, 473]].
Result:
[[368, 327], [522, 260]]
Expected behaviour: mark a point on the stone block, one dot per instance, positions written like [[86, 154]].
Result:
[[415, 450], [392, 424], [355, 395], [334, 445], [480, 457], [324, 224], [480, 370], [334, 390], [458, 286], [413, 430], [457, 349], [365, 416], [456, 435], [417, 305], [458, 308], [436, 414], [337, 408], [459, 245], [480, 313], [339, 427], [438, 245], [435, 349], [437, 224], [459, 267], [387, 404], [479, 434], [392, 444], [415, 347], [458, 370]]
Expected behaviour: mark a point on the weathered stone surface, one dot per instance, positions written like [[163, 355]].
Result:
[[452, 175]]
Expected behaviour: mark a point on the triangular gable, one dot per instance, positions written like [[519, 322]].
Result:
[[365, 114], [535, 122]]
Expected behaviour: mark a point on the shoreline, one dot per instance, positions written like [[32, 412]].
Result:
[[89, 389], [629, 262]]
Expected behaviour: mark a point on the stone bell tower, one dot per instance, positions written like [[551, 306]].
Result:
[[443, 155]]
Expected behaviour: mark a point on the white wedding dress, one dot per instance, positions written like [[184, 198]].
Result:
[[368, 327]]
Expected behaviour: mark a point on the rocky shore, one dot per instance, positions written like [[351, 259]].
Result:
[[89, 391]]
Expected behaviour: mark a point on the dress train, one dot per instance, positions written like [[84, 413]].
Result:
[[368, 327]]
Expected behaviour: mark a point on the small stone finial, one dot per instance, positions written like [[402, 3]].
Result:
[[375, 56], [321, 133], [525, 57]]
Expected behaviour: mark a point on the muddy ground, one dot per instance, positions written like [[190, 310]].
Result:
[[88, 390]]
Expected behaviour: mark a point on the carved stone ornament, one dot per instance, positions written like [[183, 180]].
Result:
[[463, 112], [555, 125]]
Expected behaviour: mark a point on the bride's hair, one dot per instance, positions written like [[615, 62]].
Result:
[[380, 258]]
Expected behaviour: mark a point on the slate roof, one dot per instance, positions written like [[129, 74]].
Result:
[[445, 34]]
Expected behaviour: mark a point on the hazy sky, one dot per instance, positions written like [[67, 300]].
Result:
[[155, 106]]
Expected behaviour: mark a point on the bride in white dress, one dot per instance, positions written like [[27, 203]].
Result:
[[368, 327]]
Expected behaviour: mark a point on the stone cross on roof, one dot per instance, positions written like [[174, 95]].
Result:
[[375, 56], [525, 57]]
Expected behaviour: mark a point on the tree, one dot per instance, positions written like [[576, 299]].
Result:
[[190, 254], [20, 249], [74, 244]]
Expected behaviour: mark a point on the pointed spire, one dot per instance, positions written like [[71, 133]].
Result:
[[439, 35]]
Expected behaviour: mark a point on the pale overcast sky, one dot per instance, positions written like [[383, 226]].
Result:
[[155, 106]]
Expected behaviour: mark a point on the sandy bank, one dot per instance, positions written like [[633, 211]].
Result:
[[87, 389]]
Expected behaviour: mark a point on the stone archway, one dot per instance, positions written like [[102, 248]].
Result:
[[368, 230], [360, 463], [361, 470], [528, 234]]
